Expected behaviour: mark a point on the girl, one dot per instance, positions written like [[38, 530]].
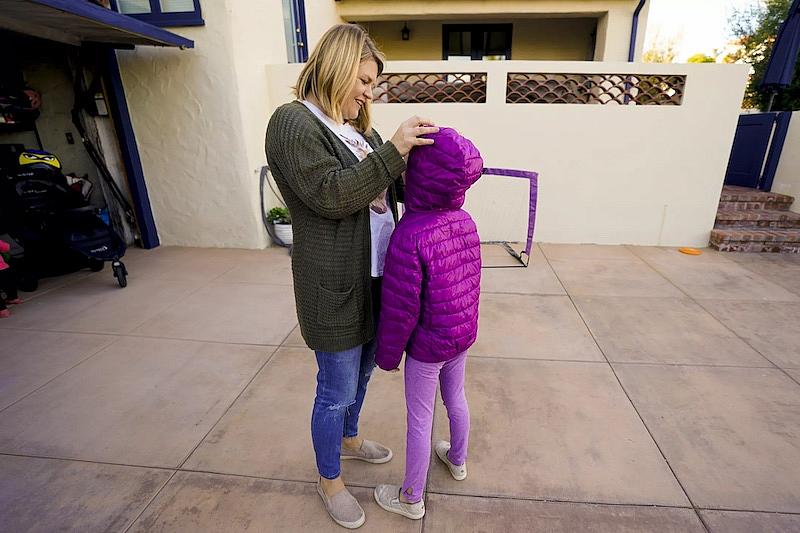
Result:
[[431, 287], [341, 183]]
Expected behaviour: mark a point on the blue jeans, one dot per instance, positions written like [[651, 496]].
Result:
[[341, 386]]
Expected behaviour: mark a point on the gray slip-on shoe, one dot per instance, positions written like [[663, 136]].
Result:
[[459, 472], [370, 452], [343, 508], [388, 497]]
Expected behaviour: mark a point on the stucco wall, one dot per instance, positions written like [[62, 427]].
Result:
[[553, 39], [425, 42], [616, 16], [787, 178], [321, 15], [643, 175], [257, 39], [542, 39], [602, 38], [199, 117]]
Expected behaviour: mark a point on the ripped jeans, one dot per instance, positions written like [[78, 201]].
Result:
[[341, 385]]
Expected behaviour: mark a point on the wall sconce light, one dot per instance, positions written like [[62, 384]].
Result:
[[405, 32]]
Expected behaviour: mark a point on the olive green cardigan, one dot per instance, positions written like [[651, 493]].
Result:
[[328, 192]]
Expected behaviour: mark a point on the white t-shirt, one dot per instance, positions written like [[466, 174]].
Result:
[[381, 225]]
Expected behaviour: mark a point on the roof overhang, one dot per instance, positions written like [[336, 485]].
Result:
[[79, 21]]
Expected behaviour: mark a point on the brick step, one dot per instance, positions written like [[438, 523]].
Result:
[[754, 206], [756, 240], [737, 218], [733, 193]]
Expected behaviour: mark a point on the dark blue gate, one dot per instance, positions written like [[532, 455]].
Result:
[[759, 138]]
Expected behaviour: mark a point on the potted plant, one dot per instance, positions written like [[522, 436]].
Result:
[[282, 223]]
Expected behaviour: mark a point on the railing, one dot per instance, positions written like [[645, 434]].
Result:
[[604, 89], [424, 88], [533, 88]]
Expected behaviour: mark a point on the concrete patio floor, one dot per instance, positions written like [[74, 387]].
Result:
[[612, 389]]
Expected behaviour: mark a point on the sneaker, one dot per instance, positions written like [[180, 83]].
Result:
[[343, 508], [15, 301], [370, 452], [5, 313], [459, 472], [388, 497]]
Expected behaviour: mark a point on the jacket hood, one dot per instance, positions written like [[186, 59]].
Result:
[[438, 175]]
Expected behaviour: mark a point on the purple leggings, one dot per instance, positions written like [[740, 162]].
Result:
[[421, 380]]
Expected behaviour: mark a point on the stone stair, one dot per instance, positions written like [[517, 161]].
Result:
[[749, 220]]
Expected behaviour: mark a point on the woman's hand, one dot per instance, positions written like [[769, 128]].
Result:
[[408, 134]]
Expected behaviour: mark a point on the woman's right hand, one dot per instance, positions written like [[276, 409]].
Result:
[[408, 134]]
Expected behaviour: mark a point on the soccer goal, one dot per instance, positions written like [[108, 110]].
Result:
[[506, 217]]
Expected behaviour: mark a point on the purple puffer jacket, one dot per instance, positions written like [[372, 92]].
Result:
[[431, 281]]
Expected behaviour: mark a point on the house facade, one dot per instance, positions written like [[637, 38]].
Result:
[[627, 152], [562, 30]]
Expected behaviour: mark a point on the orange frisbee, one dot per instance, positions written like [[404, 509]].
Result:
[[690, 251]]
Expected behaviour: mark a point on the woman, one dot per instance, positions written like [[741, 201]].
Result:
[[341, 183]]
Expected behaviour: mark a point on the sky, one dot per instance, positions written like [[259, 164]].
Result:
[[696, 25]]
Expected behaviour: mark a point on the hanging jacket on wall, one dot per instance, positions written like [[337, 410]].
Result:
[[431, 282]]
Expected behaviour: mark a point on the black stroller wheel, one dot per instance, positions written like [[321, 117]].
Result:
[[121, 273], [96, 265]]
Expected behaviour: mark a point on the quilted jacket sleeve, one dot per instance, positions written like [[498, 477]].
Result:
[[400, 299]]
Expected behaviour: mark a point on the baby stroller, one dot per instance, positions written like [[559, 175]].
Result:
[[57, 228]]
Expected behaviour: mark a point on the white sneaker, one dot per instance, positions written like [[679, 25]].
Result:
[[459, 472], [388, 497]]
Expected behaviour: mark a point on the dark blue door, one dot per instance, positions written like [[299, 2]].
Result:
[[750, 149]]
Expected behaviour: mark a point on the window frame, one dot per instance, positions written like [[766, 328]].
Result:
[[298, 52], [476, 30], [156, 17]]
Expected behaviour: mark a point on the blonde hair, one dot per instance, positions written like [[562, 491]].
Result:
[[332, 68]]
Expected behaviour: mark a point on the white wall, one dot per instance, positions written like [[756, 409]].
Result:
[[787, 177], [616, 16], [563, 39], [601, 41], [642, 175], [200, 116], [321, 15], [258, 38]]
